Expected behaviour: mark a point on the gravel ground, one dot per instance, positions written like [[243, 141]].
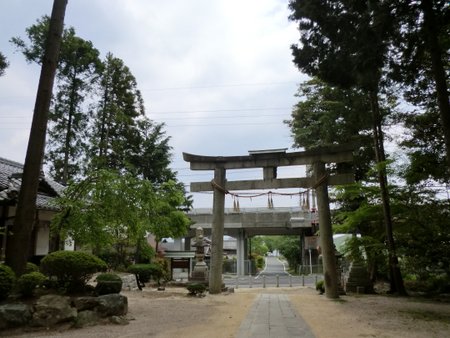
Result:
[[171, 313]]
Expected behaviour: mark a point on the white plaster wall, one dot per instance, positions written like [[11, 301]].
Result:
[[69, 244], [42, 239]]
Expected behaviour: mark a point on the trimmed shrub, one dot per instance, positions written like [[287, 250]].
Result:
[[31, 267], [27, 283], [7, 279], [108, 283], [161, 271], [72, 269], [143, 271], [196, 289], [260, 262], [320, 286]]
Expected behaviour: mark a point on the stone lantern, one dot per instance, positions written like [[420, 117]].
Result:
[[200, 271]]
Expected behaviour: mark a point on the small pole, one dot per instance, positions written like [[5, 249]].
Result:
[[278, 281], [264, 281], [310, 262], [290, 280], [250, 281], [237, 282], [303, 280]]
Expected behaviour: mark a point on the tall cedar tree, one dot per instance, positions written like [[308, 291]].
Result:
[[123, 138], [77, 68], [420, 64], [3, 64], [327, 115], [116, 136], [346, 43], [16, 256]]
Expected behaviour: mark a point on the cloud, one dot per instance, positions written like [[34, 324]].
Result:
[[218, 73]]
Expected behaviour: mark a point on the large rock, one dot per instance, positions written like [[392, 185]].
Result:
[[85, 303], [129, 282], [13, 315], [51, 310], [86, 318], [112, 305]]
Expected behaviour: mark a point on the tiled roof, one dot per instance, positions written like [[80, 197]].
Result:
[[10, 182]]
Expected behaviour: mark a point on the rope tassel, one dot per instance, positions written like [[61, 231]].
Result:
[[270, 200]]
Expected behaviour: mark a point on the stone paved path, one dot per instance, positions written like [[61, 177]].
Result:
[[272, 315]]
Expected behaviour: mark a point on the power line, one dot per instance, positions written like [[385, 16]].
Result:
[[221, 86], [218, 110]]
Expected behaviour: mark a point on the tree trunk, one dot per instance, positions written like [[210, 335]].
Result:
[[19, 242], [432, 43], [396, 279], [69, 131]]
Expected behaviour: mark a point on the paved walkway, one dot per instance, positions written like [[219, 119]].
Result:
[[272, 315]]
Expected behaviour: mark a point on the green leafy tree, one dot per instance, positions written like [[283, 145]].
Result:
[[258, 246], [422, 231], [108, 209], [291, 250], [273, 242]]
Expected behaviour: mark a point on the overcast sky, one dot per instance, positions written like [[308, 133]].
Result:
[[218, 73]]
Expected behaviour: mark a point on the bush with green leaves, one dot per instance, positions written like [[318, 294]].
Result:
[[144, 271], [72, 269], [31, 267], [196, 289], [320, 286], [108, 283], [28, 282], [7, 280]]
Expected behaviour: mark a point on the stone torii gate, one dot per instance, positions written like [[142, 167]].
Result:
[[269, 161]]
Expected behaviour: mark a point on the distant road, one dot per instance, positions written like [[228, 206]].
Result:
[[274, 274], [273, 267]]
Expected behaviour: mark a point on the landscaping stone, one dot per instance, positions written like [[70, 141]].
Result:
[[85, 303], [86, 318], [129, 282], [51, 310], [13, 315], [112, 305]]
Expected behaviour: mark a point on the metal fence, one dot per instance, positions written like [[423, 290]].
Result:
[[263, 281]]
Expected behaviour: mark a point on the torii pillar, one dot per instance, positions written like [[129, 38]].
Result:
[[215, 277]]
